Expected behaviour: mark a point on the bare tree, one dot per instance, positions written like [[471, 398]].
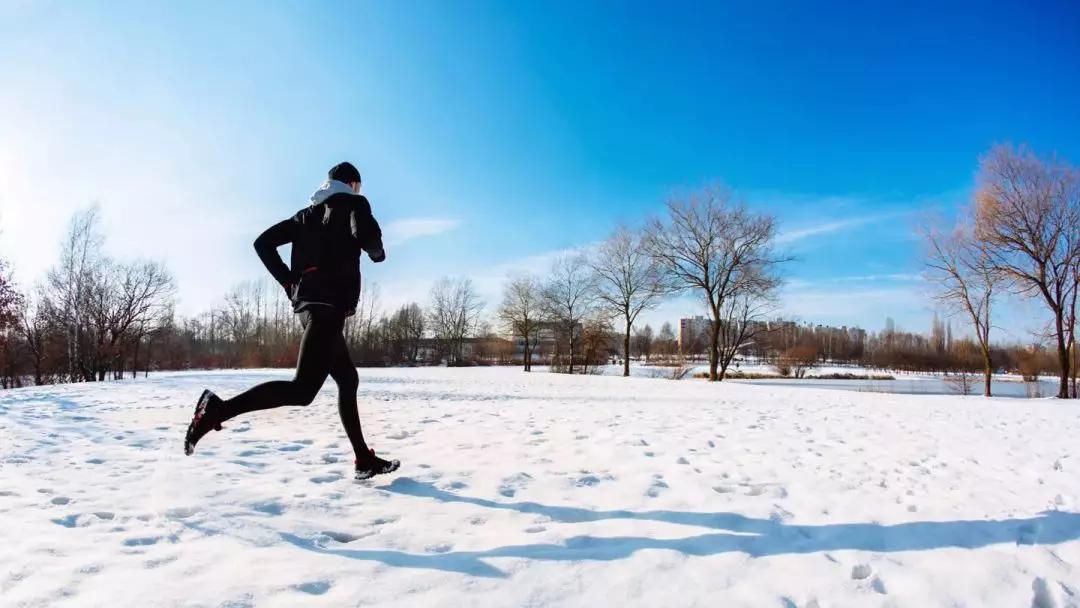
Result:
[[145, 295], [966, 280], [710, 244], [1071, 322], [569, 297], [454, 315], [643, 342], [409, 324], [70, 283], [665, 341], [797, 360], [1028, 215], [521, 313], [34, 327], [743, 315], [628, 281], [596, 341], [360, 327], [11, 303]]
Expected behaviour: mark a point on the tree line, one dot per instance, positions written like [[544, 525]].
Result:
[[709, 245], [94, 317], [1020, 236]]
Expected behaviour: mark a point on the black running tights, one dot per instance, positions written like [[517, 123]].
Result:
[[323, 352]]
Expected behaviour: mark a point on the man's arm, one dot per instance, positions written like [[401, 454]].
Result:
[[365, 229], [266, 246]]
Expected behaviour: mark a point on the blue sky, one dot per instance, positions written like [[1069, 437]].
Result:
[[493, 135]]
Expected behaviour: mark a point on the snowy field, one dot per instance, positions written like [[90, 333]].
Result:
[[540, 490]]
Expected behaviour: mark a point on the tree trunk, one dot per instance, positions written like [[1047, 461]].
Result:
[[988, 372], [725, 362], [1063, 359], [714, 347], [1075, 369], [626, 351], [135, 360], [571, 339]]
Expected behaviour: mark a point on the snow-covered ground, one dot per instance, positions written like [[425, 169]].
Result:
[[540, 490]]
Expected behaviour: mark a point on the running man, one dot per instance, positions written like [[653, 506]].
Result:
[[323, 284]]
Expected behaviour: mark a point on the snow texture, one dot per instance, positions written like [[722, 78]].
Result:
[[539, 490]]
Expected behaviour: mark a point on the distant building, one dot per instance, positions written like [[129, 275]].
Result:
[[693, 332], [544, 343]]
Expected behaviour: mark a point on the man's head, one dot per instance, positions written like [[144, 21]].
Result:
[[346, 172]]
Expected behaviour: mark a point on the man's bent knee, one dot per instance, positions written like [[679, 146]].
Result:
[[303, 395]]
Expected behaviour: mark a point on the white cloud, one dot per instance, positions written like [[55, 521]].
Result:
[[829, 227], [896, 276], [400, 231]]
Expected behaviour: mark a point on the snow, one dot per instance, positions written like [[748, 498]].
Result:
[[539, 490]]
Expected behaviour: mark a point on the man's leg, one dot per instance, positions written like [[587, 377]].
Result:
[[343, 372], [317, 349]]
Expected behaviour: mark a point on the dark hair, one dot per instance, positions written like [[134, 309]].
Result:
[[344, 172]]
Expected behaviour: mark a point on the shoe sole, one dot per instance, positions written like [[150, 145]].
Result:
[[200, 411], [365, 475]]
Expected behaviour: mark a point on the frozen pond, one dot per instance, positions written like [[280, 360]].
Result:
[[904, 383], [922, 385]]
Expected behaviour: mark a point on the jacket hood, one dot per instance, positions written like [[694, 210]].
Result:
[[329, 188]]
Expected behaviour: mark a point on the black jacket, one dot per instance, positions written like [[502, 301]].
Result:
[[327, 240]]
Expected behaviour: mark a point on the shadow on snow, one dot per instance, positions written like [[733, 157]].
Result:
[[754, 537]]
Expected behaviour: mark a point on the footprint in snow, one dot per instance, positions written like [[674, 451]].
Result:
[[587, 480], [269, 508], [343, 537], [82, 520], [511, 485], [861, 572], [326, 478], [249, 464], [313, 588], [142, 541], [150, 564], [181, 512], [657, 486]]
